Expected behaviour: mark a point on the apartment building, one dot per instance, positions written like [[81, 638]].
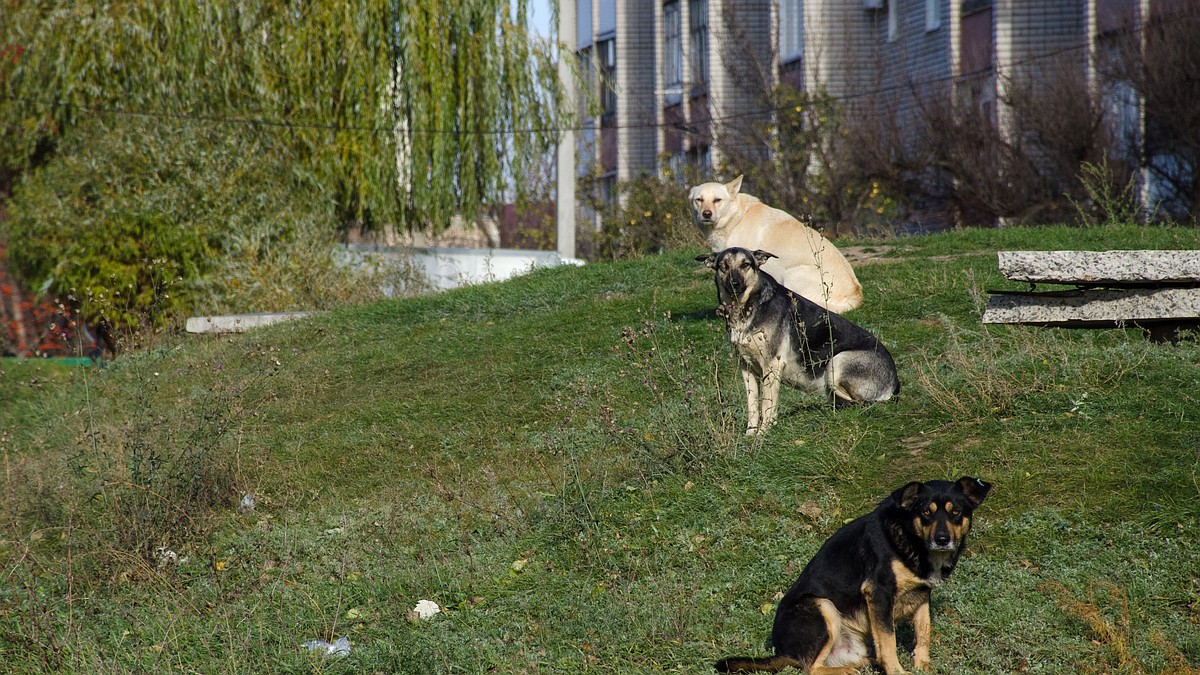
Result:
[[656, 74], [672, 79]]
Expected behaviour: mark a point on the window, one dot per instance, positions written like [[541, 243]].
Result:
[[587, 69], [606, 56], [933, 15], [701, 157], [607, 24], [586, 148], [607, 186], [676, 164], [698, 31], [672, 48], [583, 24], [791, 30]]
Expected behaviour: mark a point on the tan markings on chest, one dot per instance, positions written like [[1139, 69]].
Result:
[[911, 591]]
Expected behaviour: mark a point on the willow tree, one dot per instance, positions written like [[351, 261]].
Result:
[[203, 156], [409, 110]]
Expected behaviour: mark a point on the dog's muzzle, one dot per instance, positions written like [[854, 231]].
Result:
[[734, 284], [942, 541]]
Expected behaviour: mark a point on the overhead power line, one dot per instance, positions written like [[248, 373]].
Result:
[[284, 124]]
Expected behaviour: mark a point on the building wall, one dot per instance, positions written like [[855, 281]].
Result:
[[637, 110], [1034, 39], [860, 51], [1031, 33], [841, 47], [915, 59], [742, 66]]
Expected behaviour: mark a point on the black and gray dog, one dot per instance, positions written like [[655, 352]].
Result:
[[782, 337], [875, 571]]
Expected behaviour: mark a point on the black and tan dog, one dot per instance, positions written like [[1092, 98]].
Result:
[[782, 337], [873, 572]]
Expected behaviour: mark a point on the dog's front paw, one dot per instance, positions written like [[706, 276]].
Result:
[[892, 668], [921, 659], [756, 431]]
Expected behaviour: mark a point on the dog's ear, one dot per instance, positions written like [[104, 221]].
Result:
[[692, 194], [709, 260], [734, 186], [976, 489], [761, 257], [906, 496]]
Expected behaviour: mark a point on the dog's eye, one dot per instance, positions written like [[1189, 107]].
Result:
[[955, 512], [927, 512], [717, 200]]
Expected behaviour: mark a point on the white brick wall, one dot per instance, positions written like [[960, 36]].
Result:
[[637, 72], [847, 51]]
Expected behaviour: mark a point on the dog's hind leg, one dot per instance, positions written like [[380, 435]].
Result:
[[750, 379], [840, 652], [860, 376]]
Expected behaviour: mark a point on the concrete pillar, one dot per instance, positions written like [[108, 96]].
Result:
[[565, 158]]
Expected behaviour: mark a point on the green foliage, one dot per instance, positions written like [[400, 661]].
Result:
[[143, 221], [405, 113], [1107, 201], [96, 226], [584, 501], [650, 216]]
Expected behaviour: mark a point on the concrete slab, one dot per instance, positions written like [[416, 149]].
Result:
[[1095, 307], [1101, 267], [239, 323]]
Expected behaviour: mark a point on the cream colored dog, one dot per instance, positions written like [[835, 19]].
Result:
[[807, 262]]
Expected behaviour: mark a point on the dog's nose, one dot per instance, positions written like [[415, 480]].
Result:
[[706, 213], [942, 539]]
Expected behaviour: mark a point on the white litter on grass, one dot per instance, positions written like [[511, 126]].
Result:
[[247, 503], [341, 647], [425, 609], [165, 557]]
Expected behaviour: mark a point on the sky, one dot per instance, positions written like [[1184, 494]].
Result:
[[541, 16]]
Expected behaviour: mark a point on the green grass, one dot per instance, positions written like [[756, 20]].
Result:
[[558, 461]]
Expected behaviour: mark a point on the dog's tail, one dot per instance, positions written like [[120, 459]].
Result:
[[745, 664]]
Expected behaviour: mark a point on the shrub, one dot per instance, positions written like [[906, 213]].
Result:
[[652, 215], [811, 170], [1108, 201], [142, 221]]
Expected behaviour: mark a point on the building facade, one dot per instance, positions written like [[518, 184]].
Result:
[[667, 80]]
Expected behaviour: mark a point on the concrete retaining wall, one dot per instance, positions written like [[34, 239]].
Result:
[[447, 268]]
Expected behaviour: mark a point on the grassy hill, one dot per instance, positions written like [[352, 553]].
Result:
[[558, 461]]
